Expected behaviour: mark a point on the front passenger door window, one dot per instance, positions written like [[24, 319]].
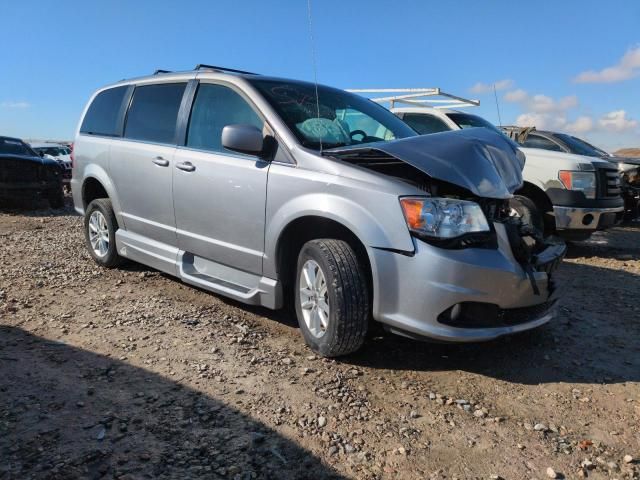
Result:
[[214, 108]]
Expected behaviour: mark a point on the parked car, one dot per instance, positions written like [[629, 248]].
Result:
[[24, 175], [628, 168], [563, 193], [58, 152], [257, 189]]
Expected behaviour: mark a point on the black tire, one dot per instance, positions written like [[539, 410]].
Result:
[[528, 212], [56, 198], [348, 295], [111, 258]]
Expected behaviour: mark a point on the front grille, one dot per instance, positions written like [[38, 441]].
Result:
[[488, 315], [19, 171], [516, 316], [608, 182]]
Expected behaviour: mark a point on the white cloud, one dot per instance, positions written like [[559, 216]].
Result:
[[488, 87], [541, 103], [516, 96], [548, 113], [617, 121], [542, 121], [627, 67], [15, 104], [581, 124]]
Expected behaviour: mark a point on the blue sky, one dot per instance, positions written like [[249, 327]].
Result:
[[567, 65]]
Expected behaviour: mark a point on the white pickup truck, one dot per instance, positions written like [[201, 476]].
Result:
[[563, 193]]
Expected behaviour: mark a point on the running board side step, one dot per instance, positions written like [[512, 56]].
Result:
[[230, 282]]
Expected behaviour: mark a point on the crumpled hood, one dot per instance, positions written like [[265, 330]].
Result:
[[484, 162]]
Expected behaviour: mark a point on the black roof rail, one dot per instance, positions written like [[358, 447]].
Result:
[[201, 66], [161, 71]]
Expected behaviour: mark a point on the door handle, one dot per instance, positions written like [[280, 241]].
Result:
[[161, 162], [186, 166]]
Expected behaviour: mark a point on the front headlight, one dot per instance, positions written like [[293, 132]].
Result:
[[584, 182], [443, 217]]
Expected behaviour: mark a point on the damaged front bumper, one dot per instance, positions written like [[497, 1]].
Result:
[[464, 295]]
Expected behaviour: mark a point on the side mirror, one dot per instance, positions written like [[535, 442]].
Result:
[[243, 139]]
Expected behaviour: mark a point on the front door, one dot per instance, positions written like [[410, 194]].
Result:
[[219, 195]]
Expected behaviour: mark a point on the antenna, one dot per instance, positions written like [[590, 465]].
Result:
[[314, 64], [495, 94]]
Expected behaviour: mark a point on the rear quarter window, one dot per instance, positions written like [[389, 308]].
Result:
[[102, 116]]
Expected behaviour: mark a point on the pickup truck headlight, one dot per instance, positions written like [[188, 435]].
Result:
[[443, 218], [584, 182]]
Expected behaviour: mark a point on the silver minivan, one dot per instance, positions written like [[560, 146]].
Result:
[[278, 192]]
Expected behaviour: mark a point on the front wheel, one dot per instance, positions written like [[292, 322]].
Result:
[[56, 198], [331, 297], [524, 208], [100, 227]]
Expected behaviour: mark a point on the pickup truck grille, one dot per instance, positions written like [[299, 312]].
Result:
[[608, 182], [19, 171]]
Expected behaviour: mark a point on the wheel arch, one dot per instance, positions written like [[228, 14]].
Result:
[[537, 195], [309, 227], [96, 184]]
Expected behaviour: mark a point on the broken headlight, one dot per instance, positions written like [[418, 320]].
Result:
[[443, 218]]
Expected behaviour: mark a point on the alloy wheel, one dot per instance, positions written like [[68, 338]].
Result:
[[314, 298], [98, 233]]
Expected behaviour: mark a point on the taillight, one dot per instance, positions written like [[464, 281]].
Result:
[[73, 163]]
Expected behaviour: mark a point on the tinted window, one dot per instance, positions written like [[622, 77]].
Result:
[[424, 123], [214, 108], [536, 141], [327, 121], [102, 115], [580, 147], [465, 120], [153, 113], [12, 146]]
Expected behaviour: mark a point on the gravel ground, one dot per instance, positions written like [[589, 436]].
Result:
[[129, 373]]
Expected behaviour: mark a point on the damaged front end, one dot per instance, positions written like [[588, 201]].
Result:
[[468, 178], [629, 169]]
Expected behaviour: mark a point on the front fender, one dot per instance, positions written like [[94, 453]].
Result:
[[384, 228]]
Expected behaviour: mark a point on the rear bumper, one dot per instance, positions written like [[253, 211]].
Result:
[[76, 194], [414, 293]]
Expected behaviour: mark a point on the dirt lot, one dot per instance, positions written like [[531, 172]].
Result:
[[129, 373]]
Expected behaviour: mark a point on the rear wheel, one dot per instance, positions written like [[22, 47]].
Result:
[[100, 226], [331, 297]]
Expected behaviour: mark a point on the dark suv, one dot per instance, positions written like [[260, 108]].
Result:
[[24, 175]]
